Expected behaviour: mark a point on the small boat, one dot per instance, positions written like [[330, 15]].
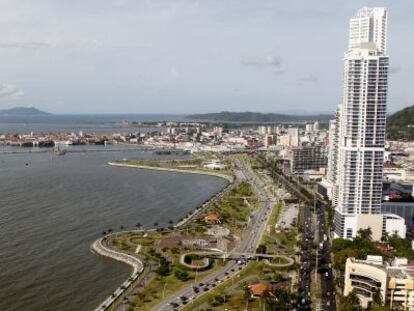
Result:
[[58, 151]]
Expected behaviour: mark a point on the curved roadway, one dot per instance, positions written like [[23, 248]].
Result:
[[249, 244]]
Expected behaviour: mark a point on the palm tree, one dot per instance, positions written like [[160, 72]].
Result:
[[138, 225], [384, 237], [121, 227], [365, 234], [350, 302], [376, 297]]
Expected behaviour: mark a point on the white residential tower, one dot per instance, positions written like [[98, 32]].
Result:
[[358, 151]]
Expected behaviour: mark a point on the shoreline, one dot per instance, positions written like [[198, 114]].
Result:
[[230, 179], [133, 261], [138, 267]]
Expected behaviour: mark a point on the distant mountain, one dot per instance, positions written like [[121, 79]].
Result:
[[400, 125], [252, 117], [23, 111]]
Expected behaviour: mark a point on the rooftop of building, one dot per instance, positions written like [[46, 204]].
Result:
[[399, 268], [398, 273], [260, 288]]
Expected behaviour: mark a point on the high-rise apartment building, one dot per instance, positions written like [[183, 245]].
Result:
[[369, 26], [358, 138], [333, 158], [305, 158]]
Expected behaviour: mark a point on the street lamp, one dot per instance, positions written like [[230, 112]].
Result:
[[163, 290]]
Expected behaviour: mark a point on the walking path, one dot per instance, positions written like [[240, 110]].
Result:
[[138, 267], [188, 171], [100, 248], [236, 255]]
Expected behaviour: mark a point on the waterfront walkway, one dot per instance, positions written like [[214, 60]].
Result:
[[100, 248], [177, 170]]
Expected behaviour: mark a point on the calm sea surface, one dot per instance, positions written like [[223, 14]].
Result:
[[104, 123], [53, 207]]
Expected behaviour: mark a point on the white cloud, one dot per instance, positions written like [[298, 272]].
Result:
[[395, 69], [311, 78], [268, 61], [10, 92], [120, 3], [23, 45]]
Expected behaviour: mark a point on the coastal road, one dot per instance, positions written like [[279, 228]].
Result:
[[304, 286], [248, 245], [324, 261], [327, 286]]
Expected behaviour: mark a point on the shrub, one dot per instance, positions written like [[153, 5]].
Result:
[[182, 275], [261, 249]]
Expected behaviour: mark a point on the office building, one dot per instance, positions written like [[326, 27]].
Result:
[[393, 282], [306, 158]]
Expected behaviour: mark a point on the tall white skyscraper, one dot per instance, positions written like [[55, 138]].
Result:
[[357, 147], [367, 27]]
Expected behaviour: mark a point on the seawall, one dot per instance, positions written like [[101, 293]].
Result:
[[99, 248], [146, 167]]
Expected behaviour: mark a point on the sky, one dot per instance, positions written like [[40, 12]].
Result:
[[189, 56]]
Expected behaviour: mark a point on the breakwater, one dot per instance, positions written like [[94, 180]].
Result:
[[134, 261], [100, 248], [189, 171]]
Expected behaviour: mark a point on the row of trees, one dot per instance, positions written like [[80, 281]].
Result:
[[138, 226], [352, 303], [363, 245]]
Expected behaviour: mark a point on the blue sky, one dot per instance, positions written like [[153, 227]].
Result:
[[120, 56]]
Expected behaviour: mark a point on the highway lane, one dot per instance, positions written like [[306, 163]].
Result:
[[249, 244], [327, 290], [304, 287]]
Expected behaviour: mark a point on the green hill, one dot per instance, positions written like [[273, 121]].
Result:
[[400, 125], [227, 116], [23, 111]]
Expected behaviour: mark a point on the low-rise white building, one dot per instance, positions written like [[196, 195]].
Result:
[[393, 282], [378, 223]]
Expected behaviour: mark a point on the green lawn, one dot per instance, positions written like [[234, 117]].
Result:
[[172, 278], [234, 290], [192, 164]]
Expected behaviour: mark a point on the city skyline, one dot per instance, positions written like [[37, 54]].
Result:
[[185, 56], [234, 155]]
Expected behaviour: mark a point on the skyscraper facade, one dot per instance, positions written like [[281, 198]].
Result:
[[333, 157], [357, 146]]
